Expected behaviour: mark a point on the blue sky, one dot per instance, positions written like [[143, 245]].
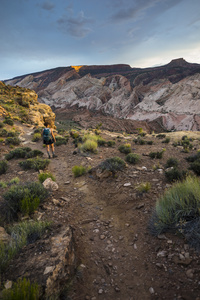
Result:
[[39, 35]]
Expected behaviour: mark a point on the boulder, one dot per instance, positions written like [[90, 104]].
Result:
[[4, 237], [50, 185]]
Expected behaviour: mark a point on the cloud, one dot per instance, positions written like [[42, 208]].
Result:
[[133, 11], [75, 26], [47, 5]]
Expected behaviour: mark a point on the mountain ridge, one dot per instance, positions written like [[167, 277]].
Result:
[[166, 94]]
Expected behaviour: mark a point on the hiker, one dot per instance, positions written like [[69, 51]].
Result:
[[49, 139]]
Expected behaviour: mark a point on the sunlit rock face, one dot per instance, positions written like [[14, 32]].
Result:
[[168, 95]]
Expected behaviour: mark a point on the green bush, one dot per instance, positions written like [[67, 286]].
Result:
[[29, 204], [161, 136], [74, 134], [36, 137], [18, 153], [14, 180], [61, 140], [34, 153], [149, 142], [43, 176], [113, 164], [158, 154], [194, 157], [178, 209], [195, 167], [8, 121], [144, 187], [12, 204], [3, 132], [111, 143], [89, 145], [171, 162], [78, 171], [22, 290], [22, 234], [3, 166], [175, 174], [166, 141], [101, 141], [34, 163], [12, 141], [1, 124], [126, 148], [132, 158], [3, 184]]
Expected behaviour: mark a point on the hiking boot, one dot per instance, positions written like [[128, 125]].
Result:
[[49, 157]]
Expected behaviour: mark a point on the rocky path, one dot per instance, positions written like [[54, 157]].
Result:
[[116, 255]]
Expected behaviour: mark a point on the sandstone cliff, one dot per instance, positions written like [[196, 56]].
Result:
[[22, 104]]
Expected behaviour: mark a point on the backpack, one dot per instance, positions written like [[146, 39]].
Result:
[[47, 134]]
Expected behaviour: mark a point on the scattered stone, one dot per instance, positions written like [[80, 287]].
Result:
[[87, 221], [8, 284], [117, 289], [160, 171], [67, 182], [162, 237], [100, 291], [102, 237], [49, 270], [181, 256], [151, 290], [56, 202], [159, 265], [144, 168], [140, 206], [162, 253], [65, 199], [127, 184], [51, 185], [135, 246], [190, 273]]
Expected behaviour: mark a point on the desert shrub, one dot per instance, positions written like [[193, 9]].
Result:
[[34, 163], [177, 209], [126, 148], [89, 145], [22, 290], [185, 143], [12, 141], [78, 171], [171, 162], [194, 157], [34, 153], [101, 141], [14, 180], [22, 234], [139, 141], [166, 141], [61, 140], [144, 187], [3, 184], [1, 124], [29, 204], [113, 164], [18, 153], [12, 203], [161, 136], [132, 158], [158, 154], [43, 176], [77, 141], [110, 143], [175, 174], [3, 166], [36, 137], [141, 132], [8, 121], [12, 133], [3, 132], [195, 167], [74, 134], [149, 142]]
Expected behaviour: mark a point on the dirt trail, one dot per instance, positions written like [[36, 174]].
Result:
[[117, 256]]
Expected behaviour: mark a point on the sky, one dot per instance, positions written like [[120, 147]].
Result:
[[37, 35]]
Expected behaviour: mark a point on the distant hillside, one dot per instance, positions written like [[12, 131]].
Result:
[[167, 95]]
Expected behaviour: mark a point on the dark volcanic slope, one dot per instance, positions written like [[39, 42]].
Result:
[[174, 71]]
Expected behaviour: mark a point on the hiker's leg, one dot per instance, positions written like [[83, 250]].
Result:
[[48, 151], [52, 150]]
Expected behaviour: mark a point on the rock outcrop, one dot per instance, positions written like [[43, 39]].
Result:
[[166, 96], [22, 104]]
